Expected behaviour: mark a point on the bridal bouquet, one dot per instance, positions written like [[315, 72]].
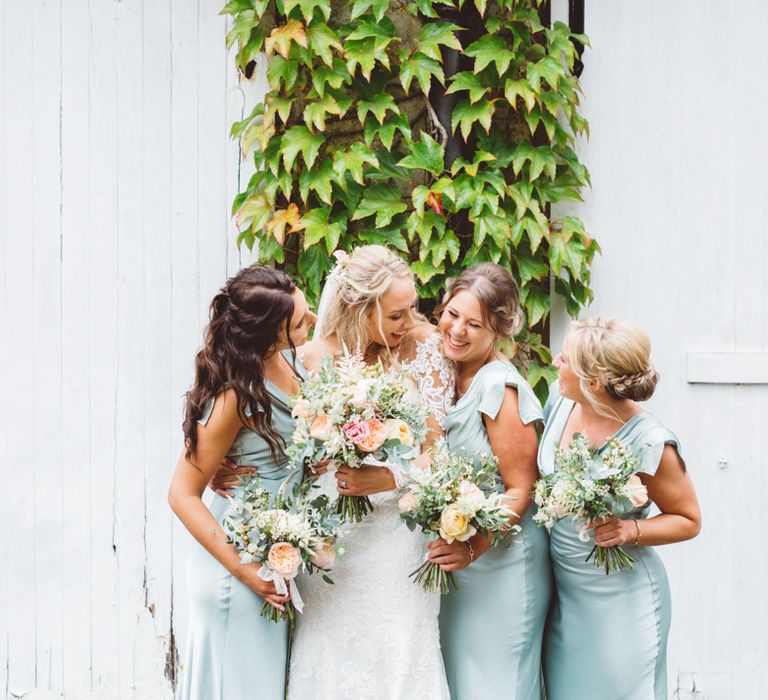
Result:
[[351, 413], [588, 486], [456, 496], [287, 535]]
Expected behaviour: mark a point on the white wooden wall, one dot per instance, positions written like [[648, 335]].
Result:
[[116, 180]]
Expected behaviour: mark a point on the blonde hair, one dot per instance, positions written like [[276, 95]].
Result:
[[614, 351], [363, 278], [496, 290]]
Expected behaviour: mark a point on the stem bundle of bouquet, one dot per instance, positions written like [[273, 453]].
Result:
[[457, 495], [351, 413], [287, 534], [589, 486]]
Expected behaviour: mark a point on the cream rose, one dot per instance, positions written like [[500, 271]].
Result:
[[398, 430], [301, 409], [471, 496], [284, 559], [320, 428], [455, 525], [636, 491]]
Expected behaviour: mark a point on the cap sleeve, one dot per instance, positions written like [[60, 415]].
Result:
[[493, 389], [203, 420], [554, 395], [650, 447]]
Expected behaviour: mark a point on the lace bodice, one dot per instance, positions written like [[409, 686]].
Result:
[[434, 376]]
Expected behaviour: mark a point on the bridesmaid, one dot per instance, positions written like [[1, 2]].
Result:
[[238, 407], [607, 635], [491, 628]]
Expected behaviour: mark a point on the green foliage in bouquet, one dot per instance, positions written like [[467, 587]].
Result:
[[348, 148]]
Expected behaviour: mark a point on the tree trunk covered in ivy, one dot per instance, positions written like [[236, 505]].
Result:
[[442, 131]]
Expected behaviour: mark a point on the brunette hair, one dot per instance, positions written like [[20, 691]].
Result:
[[496, 290], [246, 318]]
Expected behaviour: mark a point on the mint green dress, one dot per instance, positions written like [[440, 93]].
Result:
[[232, 652], [491, 627], [606, 638]]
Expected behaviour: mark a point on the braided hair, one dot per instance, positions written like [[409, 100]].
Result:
[[246, 318]]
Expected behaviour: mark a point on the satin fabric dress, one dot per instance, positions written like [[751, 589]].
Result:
[[491, 627], [232, 652], [606, 638]]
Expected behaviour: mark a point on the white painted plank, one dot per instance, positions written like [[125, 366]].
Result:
[[47, 442], [727, 367], [158, 400], [19, 387], [5, 406], [75, 357], [187, 318], [105, 353]]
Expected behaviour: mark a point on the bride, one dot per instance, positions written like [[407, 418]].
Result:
[[374, 633]]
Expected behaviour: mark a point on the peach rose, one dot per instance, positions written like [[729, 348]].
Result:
[[636, 491], [284, 559], [320, 428], [377, 436]]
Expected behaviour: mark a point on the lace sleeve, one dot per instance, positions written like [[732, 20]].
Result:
[[435, 377]]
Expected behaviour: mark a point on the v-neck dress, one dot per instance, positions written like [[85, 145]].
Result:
[[491, 627], [232, 652], [606, 637]]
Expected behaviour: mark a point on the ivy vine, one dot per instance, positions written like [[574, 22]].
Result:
[[349, 148]]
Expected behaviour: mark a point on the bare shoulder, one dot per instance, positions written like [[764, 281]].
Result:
[[423, 331], [312, 353]]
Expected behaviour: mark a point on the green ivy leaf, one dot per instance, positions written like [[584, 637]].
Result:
[[308, 8], [547, 68], [364, 54], [353, 161], [465, 114], [531, 268], [318, 228], [254, 212], [315, 112], [422, 68], [242, 27], [378, 106], [490, 49], [471, 168], [383, 201], [425, 155], [536, 303], [318, 181], [321, 39], [283, 37], [522, 89], [386, 131], [433, 35], [390, 236], [470, 82], [425, 271], [379, 8], [313, 264], [299, 139], [281, 71], [333, 77]]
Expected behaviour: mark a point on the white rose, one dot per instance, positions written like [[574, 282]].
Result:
[[471, 495], [301, 409]]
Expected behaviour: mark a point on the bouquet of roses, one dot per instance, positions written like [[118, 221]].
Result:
[[287, 535], [454, 497], [588, 486], [351, 413]]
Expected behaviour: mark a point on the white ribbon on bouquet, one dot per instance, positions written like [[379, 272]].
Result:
[[283, 584]]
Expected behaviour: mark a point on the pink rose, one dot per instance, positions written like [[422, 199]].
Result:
[[636, 491], [407, 502], [320, 428], [324, 557], [377, 436], [357, 431]]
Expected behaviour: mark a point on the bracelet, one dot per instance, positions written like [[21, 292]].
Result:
[[471, 552], [639, 534]]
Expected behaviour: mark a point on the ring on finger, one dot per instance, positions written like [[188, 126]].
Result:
[[343, 484]]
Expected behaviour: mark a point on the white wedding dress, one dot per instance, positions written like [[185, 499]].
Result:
[[374, 635]]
